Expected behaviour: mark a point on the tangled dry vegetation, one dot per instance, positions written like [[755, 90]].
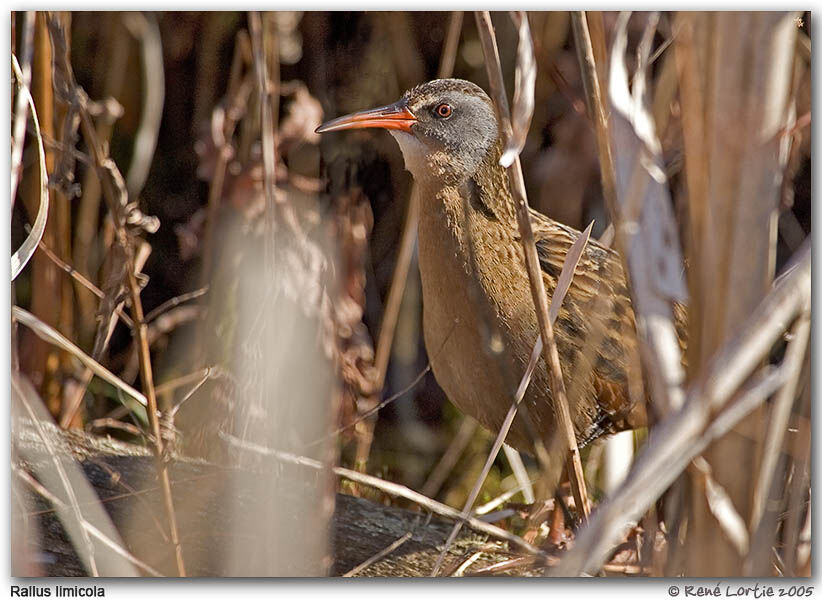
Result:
[[198, 277]]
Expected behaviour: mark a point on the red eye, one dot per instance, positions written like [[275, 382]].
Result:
[[443, 110]]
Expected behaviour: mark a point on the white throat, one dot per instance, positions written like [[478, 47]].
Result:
[[414, 152]]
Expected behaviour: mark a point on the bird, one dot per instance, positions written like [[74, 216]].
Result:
[[479, 320]]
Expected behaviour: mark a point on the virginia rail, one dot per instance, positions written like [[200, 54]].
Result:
[[480, 325]]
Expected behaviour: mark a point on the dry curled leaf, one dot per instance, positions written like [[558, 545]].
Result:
[[525, 78]]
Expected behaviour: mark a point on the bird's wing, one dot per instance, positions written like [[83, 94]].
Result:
[[596, 318], [598, 299]]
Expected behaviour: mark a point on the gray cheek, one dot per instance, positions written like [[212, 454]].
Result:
[[481, 138]]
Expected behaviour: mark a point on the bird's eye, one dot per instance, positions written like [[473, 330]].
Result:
[[443, 110]]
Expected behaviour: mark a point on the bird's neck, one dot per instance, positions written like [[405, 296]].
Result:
[[484, 194]]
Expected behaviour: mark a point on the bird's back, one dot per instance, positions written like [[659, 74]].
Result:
[[480, 323]]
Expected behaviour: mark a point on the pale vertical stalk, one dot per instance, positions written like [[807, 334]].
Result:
[[269, 95], [737, 176]]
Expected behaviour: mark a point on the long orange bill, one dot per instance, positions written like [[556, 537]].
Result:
[[391, 117]]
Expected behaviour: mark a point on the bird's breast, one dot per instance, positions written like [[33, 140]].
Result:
[[472, 327]]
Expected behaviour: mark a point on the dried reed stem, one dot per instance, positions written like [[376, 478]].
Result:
[[591, 82], [24, 253], [143, 26], [517, 186]]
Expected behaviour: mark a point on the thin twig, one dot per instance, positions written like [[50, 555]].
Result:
[[446, 463], [111, 423], [379, 555], [376, 408], [174, 302], [192, 391], [778, 420], [500, 499], [85, 282], [186, 379]]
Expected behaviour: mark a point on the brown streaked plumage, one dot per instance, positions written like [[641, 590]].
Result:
[[479, 319]]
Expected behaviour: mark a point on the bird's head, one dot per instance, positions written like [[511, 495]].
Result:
[[446, 128]]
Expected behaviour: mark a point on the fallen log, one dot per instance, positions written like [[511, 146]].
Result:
[[365, 538]]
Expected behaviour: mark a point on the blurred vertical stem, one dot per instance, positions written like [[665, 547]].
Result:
[[599, 45], [264, 49], [388, 325], [540, 298], [242, 54], [736, 173], [145, 29]]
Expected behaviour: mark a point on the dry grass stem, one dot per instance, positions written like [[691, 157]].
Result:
[[379, 555], [592, 79], [448, 460], [47, 333], [525, 77], [520, 473]]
